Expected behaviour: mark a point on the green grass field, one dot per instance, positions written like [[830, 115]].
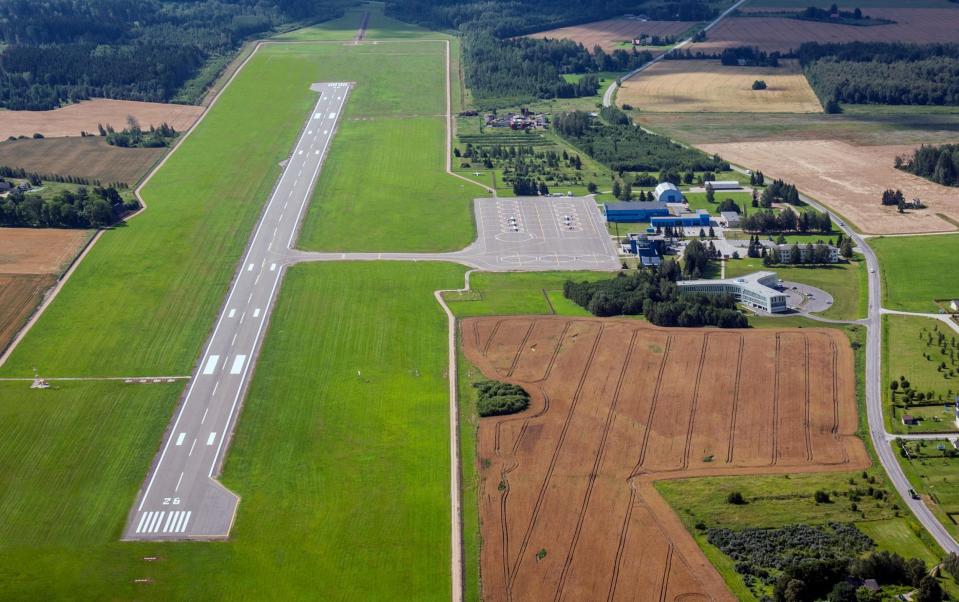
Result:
[[518, 293], [931, 474], [904, 350], [844, 281], [697, 200], [343, 478], [913, 273]]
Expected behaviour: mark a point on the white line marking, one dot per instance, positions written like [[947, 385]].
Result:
[[169, 519], [256, 312], [156, 522], [211, 439], [237, 364], [215, 385], [272, 267], [255, 282], [249, 268], [143, 518], [317, 152], [244, 313], [177, 488], [332, 115], [233, 342], [326, 131], [310, 132], [202, 420], [185, 521], [211, 364], [232, 313], [179, 521], [180, 438], [191, 448]]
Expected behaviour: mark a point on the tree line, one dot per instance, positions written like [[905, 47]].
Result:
[[95, 207], [787, 220], [937, 163], [882, 73], [63, 51], [625, 147], [654, 294], [35, 178]]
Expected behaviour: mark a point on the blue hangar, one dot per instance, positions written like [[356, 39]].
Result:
[[635, 212]]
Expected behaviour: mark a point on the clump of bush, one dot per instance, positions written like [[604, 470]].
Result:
[[759, 84], [497, 399]]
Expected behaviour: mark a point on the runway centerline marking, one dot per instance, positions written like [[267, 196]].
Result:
[[202, 420], [191, 448], [177, 488]]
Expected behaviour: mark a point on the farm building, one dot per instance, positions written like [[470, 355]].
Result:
[[724, 185], [954, 305], [729, 219], [668, 193], [909, 420], [687, 220], [634, 212], [754, 290], [782, 253]]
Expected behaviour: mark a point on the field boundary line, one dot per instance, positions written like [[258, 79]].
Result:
[[732, 419], [456, 515]]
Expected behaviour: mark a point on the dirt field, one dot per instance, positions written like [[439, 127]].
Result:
[[86, 157], [609, 34], [84, 116], [617, 404], [850, 179], [707, 86], [782, 34], [30, 263]]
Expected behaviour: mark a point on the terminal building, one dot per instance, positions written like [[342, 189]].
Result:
[[634, 212], [783, 253], [755, 290]]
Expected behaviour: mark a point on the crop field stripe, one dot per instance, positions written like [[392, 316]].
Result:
[[652, 408], [559, 346], [597, 463], [552, 463], [835, 400], [692, 410], [522, 347], [664, 582], [732, 417], [807, 423], [623, 533], [492, 335], [775, 458]]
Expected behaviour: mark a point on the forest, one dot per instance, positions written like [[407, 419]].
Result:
[[883, 73], [625, 147], [84, 208], [654, 294], [937, 163], [62, 51]]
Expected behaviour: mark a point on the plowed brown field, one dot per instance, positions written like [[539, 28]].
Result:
[[921, 25], [86, 157], [851, 179], [30, 263], [609, 34], [84, 116], [567, 506]]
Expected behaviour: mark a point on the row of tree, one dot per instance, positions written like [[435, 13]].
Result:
[[882, 73], [937, 163], [134, 137], [787, 220], [36, 178], [654, 294], [624, 147], [84, 208]]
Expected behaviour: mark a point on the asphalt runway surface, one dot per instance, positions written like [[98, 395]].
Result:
[[181, 498]]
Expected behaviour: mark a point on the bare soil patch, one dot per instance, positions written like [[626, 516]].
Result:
[[88, 157], [707, 86], [850, 179], [567, 505], [30, 263], [611, 33], [84, 116], [921, 25]]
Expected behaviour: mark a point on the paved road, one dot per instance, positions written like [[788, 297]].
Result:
[[611, 90], [181, 498]]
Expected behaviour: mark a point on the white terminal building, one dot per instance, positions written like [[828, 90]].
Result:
[[756, 290]]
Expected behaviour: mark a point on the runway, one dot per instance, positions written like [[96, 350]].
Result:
[[181, 498]]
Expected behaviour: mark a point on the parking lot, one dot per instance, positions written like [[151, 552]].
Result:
[[544, 233]]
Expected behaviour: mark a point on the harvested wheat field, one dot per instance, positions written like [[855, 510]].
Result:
[[89, 157], [920, 25], [30, 263], [618, 404], [707, 86], [84, 116], [612, 33], [850, 179]]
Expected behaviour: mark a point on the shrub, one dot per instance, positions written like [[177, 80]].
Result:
[[735, 497], [822, 497], [759, 85], [497, 399]]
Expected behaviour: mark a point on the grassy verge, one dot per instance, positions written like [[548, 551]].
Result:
[[914, 270], [907, 351], [469, 423], [519, 293], [844, 281]]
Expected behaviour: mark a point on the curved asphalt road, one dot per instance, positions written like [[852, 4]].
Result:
[[181, 498]]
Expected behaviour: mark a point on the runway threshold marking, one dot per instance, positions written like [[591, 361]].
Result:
[[237, 366], [232, 313], [180, 438], [272, 267], [211, 439], [249, 268], [211, 364], [256, 312]]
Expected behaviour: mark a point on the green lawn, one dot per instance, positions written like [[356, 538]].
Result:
[[697, 200], [915, 270], [931, 474], [519, 293], [844, 281], [343, 478], [905, 347]]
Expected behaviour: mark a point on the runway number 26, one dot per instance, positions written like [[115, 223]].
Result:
[[171, 500]]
